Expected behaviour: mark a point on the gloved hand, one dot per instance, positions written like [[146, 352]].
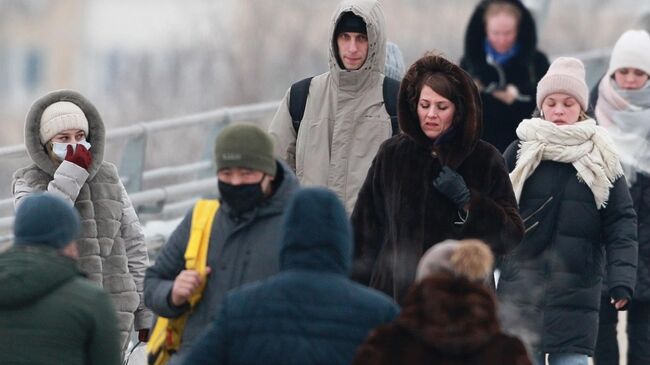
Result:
[[453, 186], [80, 157], [620, 297], [143, 335]]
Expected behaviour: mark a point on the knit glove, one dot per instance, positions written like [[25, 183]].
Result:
[[143, 335], [80, 157], [453, 186], [618, 293]]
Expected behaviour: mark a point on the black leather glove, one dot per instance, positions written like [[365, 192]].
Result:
[[453, 186]]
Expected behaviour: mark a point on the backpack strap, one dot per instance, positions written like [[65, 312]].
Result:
[[390, 90], [196, 253], [297, 101], [166, 336], [300, 91]]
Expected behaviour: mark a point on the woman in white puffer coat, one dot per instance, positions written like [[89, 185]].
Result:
[[65, 138]]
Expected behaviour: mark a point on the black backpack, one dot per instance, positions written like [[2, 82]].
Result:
[[300, 91]]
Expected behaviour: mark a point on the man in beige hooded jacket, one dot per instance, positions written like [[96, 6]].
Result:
[[345, 120]]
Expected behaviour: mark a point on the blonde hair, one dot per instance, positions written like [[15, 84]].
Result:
[[469, 258], [499, 7]]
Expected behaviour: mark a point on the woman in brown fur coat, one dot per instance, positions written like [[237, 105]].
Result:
[[449, 316], [436, 180]]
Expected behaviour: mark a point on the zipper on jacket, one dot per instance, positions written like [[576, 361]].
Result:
[[531, 227], [538, 209], [547, 275]]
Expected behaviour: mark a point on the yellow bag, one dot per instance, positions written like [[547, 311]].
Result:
[[166, 336]]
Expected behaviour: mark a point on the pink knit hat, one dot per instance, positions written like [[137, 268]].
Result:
[[565, 75]]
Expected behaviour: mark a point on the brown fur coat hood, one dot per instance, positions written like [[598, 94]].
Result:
[[400, 214], [462, 137], [445, 320]]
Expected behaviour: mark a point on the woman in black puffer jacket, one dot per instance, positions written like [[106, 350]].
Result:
[[576, 206]]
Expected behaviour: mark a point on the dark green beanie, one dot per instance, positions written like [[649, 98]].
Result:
[[246, 146]]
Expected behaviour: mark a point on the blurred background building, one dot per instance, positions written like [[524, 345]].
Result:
[[148, 59]]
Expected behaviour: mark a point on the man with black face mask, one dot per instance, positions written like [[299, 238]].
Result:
[[244, 246]]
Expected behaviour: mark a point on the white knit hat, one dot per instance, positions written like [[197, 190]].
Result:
[[632, 50], [61, 116], [566, 75]]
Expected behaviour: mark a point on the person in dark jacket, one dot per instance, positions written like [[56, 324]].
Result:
[[255, 189], [501, 55], [49, 312], [623, 109], [434, 181], [310, 312], [449, 316], [575, 203]]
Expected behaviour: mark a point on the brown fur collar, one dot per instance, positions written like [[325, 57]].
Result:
[[450, 314]]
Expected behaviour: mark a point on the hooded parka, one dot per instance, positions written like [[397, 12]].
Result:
[[552, 282], [446, 320], [50, 313], [523, 70], [310, 312], [400, 214], [242, 249], [112, 251], [345, 120]]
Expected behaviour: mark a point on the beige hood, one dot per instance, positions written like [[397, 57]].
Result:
[[370, 11]]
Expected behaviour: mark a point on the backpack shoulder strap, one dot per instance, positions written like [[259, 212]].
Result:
[[297, 101], [300, 91], [166, 335], [196, 253], [390, 91]]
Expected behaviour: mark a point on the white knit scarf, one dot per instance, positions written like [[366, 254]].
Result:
[[626, 116], [584, 145]]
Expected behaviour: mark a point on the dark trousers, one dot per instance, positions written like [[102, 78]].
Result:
[[638, 334]]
